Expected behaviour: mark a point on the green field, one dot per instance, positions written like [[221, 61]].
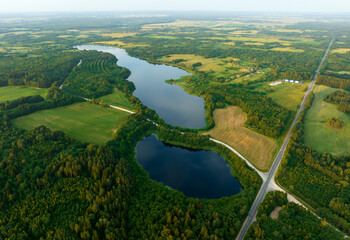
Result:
[[288, 95], [317, 134], [117, 99], [83, 121], [10, 93]]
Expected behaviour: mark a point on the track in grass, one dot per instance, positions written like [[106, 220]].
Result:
[[83, 121]]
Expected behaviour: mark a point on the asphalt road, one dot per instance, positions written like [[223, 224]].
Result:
[[272, 173]]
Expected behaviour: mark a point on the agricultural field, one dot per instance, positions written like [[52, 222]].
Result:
[[117, 99], [10, 93], [288, 95], [341, 50], [231, 69], [256, 148], [83, 121], [318, 134]]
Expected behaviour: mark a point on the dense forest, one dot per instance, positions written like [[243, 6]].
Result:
[[293, 222], [321, 180]]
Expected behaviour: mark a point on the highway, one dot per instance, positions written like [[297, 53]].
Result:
[[277, 161]]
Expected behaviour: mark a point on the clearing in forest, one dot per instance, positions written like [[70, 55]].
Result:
[[83, 121], [117, 99], [253, 146], [11, 93], [317, 134]]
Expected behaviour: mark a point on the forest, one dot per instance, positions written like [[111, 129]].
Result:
[[293, 221]]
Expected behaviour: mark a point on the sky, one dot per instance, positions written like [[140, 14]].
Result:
[[175, 5]]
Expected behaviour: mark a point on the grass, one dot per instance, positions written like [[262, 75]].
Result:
[[341, 50], [288, 95], [117, 99], [10, 93], [317, 134], [256, 148], [83, 121]]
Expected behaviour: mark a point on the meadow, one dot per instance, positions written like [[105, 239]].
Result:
[[10, 93], [288, 95], [318, 134], [117, 99], [83, 121], [256, 148]]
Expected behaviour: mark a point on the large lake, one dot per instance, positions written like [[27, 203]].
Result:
[[200, 174], [171, 103]]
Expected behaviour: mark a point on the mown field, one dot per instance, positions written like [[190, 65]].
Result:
[[117, 99], [253, 146], [83, 121], [318, 134], [10, 93], [288, 95]]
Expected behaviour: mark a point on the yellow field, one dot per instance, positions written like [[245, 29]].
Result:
[[254, 43], [207, 63], [65, 36], [286, 49], [119, 43], [229, 43], [288, 30], [341, 50], [253, 39], [253, 146], [118, 35]]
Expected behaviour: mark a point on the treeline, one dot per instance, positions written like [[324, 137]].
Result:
[[321, 180], [15, 103], [293, 221], [55, 97], [263, 115], [341, 99], [95, 76], [334, 82]]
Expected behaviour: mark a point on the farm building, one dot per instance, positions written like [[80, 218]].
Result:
[[292, 81]]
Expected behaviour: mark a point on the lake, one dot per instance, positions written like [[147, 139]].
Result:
[[200, 174], [173, 104]]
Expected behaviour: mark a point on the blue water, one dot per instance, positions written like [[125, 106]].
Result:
[[200, 174], [171, 103]]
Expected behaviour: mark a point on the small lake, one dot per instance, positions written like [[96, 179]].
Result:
[[200, 174], [171, 103]]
